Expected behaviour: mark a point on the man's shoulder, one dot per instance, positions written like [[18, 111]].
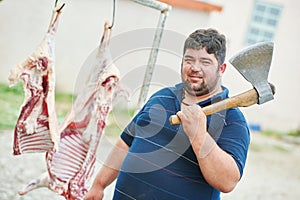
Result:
[[234, 115], [173, 91], [168, 97]]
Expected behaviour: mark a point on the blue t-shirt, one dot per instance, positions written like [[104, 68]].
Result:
[[161, 164]]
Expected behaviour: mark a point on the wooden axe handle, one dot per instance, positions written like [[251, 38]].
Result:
[[242, 100]]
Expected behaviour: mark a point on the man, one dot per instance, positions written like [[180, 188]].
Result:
[[196, 160]]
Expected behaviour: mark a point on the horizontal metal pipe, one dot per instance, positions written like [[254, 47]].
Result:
[[154, 4]]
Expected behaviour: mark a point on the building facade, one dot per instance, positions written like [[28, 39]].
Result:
[[24, 23]]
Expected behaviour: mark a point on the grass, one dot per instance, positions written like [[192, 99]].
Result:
[[268, 147], [118, 120], [295, 133], [279, 134], [12, 98], [10, 101], [272, 133]]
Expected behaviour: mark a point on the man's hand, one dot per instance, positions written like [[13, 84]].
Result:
[[193, 121], [95, 193]]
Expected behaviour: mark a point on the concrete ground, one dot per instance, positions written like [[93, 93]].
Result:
[[271, 173]]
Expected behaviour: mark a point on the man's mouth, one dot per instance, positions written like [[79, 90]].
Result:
[[195, 78]]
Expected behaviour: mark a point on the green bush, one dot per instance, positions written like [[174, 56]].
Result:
[[295, 133], [11, 100]]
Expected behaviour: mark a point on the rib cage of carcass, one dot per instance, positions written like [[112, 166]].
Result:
[[73, 163], [36, 127]]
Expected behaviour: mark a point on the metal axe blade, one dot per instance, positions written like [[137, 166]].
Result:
[[254, 64]]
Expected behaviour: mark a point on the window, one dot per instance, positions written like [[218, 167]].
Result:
[[264, 21]]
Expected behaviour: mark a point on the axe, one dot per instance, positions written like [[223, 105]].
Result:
[[253, 63]]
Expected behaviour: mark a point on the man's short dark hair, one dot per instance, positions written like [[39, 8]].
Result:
[[210, 39]]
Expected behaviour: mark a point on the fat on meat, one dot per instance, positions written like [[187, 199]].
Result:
[[71, 165], [36, 128]]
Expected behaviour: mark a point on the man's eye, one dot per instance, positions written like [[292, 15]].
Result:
[[206, 63], [188, 61]]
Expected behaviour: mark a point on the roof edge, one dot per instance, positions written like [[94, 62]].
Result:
[[193, 5]]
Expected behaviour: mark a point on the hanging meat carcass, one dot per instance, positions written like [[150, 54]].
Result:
[[72, 164], [36, 127]]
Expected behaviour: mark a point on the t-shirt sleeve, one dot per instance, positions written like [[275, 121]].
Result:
[[235, 139], [157, 110], [236, 146], [128, 133]]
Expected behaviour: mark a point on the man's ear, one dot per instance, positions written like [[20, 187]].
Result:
[[222, 68]]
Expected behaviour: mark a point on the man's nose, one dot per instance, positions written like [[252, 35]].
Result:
[[197, 66]]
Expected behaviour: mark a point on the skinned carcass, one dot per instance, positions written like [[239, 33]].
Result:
[[36, 128], [72, 164]]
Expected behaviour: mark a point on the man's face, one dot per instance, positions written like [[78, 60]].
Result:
[[200, 72]]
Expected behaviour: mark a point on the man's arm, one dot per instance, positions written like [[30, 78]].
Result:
[[217, 166], [109, 171]]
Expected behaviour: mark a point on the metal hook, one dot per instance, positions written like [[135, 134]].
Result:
[[56, 1], [61, 7], [114, 13]]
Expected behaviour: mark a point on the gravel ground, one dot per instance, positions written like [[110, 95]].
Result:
[[271, 173], [17, 171]]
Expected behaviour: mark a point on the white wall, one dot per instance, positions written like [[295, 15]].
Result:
[[23, 24]]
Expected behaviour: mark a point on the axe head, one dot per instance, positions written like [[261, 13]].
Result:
[[254, 64]]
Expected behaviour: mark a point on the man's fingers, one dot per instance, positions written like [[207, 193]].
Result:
[[179, 114]]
